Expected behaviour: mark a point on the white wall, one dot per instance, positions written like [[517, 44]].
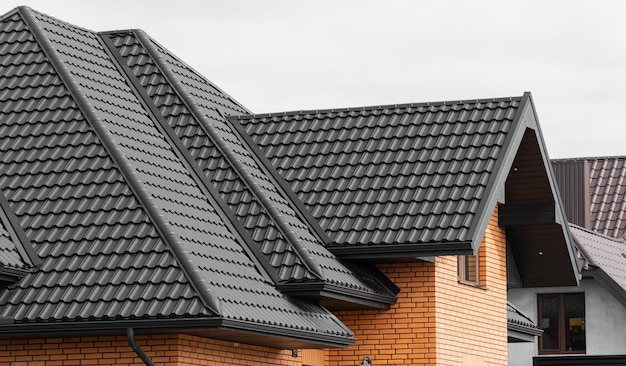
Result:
[[605, 320]]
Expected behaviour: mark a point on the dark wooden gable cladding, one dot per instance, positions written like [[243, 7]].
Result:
[[531, 218]]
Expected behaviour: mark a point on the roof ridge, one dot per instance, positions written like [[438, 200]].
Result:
[[126, 170], [10, 13], [238, 167], [138, 31], [379, 107]]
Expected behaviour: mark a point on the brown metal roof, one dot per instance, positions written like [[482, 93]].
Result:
[[596, 188]]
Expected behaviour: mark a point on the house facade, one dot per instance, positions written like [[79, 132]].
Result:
[[147, 217], [593, 197]]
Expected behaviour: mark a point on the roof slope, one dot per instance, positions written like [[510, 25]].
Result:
[[392, 174], [194, 109], [125, 227], [602, 193], [403, 181], [606, 257], [520, 327]]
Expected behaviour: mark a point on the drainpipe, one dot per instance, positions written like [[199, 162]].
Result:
[[130, 333]]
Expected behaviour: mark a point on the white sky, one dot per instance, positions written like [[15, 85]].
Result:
[[275, 56]]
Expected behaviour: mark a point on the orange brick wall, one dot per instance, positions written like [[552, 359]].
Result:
[[471, 322], [436, 320], [163, 349], [402, 335]]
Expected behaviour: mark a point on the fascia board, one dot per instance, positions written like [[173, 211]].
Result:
[[495, 186]]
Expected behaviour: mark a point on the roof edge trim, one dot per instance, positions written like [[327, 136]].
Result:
[[300, 335], [200, 285], [511, 325], [495, 185], [12, 330], [243, 173], [384, 253], [327, 291]]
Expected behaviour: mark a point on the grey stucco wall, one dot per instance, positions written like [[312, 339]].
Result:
[[605, 320]]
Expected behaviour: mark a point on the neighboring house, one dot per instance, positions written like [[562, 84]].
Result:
[[140, 222], [592, 316]]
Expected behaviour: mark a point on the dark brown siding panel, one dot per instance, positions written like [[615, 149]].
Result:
[[572, 178]]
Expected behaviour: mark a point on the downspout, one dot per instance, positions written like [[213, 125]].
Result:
[[130, 333]]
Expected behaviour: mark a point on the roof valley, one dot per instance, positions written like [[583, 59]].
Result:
[[220, 151], [183, 153]]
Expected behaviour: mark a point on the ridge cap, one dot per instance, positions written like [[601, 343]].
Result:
[[377, 107], [208, 298]]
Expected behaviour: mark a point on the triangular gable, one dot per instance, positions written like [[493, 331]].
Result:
[[413, 180]]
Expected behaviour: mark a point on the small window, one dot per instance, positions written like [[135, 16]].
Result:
[[562, 319], [469, 269]]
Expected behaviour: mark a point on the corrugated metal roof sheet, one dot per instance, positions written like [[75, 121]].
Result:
[[391, 174]]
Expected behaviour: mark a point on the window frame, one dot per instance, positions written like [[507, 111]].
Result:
[[561, 328], [464, 265]]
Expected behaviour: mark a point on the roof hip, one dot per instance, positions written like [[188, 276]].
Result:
[[189, 268], [240, 170]]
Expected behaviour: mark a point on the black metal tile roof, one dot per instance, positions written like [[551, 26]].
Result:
[[607, 255], [9, 254], [230, 165], [393, 174], [124, 227]]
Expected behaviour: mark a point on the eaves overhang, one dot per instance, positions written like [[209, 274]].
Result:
[[400, 252], [335, 297], [11, 275], [216, 328], [521, 333]]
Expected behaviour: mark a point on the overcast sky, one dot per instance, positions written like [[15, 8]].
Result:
[[277, 56]]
